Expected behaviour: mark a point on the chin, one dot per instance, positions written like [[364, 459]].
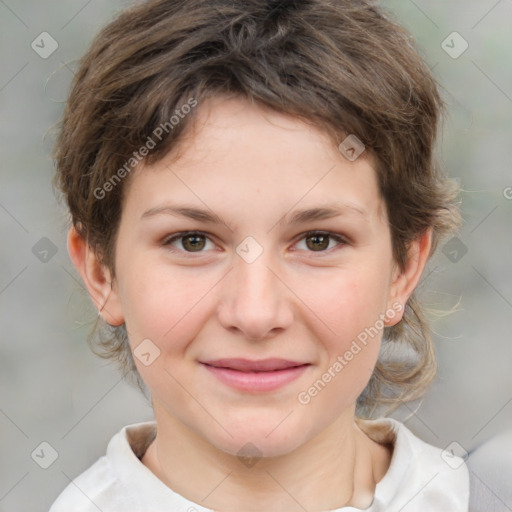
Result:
[[254, 447], [271, 438]]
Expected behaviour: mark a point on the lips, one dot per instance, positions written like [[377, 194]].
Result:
[[251, 376], [248, 365]]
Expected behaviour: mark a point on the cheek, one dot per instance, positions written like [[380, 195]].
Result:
[[170, 309], [352, 304], [348, 302], [163, 304]]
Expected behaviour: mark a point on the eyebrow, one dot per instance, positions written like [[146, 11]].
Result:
[[323, 212]]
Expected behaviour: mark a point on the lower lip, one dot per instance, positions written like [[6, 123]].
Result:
[[256, 381]]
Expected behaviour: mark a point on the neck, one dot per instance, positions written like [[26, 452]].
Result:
[[339, 467]]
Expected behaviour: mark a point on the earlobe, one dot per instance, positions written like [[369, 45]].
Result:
[[96, 277], [406, 280]]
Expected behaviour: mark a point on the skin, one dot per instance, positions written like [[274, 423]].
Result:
[[298, 300]]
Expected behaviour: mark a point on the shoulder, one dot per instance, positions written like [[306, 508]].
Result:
[[421, 477], [102, 486], [95, 488], [120, 482], [490, 467]]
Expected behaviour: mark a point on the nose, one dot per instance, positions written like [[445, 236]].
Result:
[[255, 300]]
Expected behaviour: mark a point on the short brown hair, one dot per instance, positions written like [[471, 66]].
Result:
[[344, 65]]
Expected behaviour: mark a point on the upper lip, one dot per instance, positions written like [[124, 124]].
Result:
[[248, 365]]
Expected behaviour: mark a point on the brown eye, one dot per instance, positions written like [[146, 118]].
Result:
[[193, 242], [188, 242], [319, 241]]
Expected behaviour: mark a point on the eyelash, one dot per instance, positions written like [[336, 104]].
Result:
[[338, 238]]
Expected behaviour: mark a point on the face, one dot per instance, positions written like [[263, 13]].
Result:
[[245, 280]]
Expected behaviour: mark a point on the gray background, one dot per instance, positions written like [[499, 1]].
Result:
[[53, 389]]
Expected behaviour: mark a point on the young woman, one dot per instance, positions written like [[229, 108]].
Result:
[[253, 200]]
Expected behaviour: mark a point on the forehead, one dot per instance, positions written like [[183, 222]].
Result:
[[236, 154]]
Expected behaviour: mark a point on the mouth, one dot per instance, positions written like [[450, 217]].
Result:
[[255, 375]]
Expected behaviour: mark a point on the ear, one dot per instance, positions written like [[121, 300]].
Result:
[[405, 281], [96, 277]]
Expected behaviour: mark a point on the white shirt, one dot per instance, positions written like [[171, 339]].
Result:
[[418, 478]]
